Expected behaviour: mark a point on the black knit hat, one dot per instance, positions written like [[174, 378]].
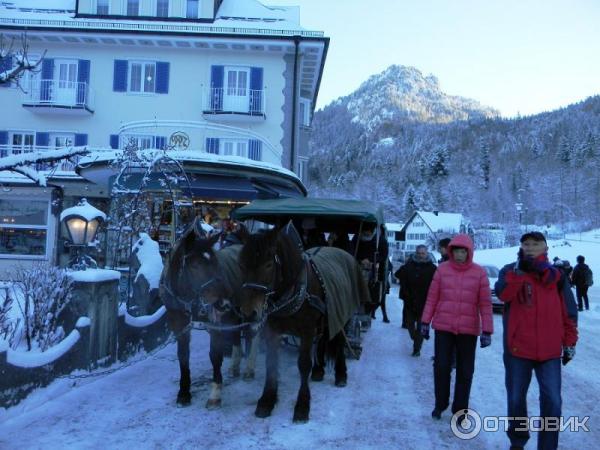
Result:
[[533, 235]]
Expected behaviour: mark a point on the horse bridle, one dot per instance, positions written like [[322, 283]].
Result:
[[269, 306]]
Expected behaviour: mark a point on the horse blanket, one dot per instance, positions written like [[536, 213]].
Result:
[[345, 287]]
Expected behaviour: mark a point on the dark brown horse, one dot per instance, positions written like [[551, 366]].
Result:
[[198, 277], [282, 289]]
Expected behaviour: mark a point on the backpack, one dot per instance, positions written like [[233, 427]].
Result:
[[589, 277]]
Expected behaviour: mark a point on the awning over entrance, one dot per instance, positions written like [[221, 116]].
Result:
[[215, 187]]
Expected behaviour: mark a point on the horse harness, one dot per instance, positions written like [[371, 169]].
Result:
[[292, 300]]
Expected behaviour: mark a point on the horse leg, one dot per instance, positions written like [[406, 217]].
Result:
[[184, 396], [341, 374], [318, 370], [251, 359], [236, 356], [267, 401], [216, 359], [302, 408]]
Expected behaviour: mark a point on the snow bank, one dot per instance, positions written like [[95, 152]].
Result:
[[148, 254], [33, 359], [83, 322], [144, 321], [94, 275]]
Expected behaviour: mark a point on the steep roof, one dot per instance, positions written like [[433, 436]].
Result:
[[442, 222]]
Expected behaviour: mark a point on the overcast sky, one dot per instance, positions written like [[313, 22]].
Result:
[[518, 56]]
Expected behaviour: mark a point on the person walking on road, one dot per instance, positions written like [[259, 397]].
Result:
[[415, 278], [458, 306], [582, 277], [539, 325]]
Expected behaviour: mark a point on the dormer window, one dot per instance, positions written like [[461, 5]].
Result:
[[192, 9], [133, 7], [162, 8], [102, 7]]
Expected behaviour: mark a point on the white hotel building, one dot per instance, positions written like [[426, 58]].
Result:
[[229, 86]]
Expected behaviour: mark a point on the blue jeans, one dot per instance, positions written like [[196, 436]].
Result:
[[518, 378]]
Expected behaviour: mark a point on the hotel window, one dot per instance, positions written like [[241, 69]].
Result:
[[192, 9], [304, 112], [21, 142], [235, 148], [133, 7], [162, 8], [23, 227], [142, 77], [142, 142], [102, 7]]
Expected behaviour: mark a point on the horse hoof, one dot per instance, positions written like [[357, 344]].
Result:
[[184, 399], [263, 412], [341, 381], [317, 375], [213, 403], [300, 417], [248, 375], [234, 373]]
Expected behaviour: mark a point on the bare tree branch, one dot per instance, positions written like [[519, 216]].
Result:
[[25, 163], [19, 60]]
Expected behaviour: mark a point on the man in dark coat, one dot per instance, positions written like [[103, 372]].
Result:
[[415, 277], [372, 255], [582, 279]]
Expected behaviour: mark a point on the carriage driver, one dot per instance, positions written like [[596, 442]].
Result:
[[373, 261]]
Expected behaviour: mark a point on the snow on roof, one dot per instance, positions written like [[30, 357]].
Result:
[[103, 155], [446, 222], [83, 209], [255, 11], [233, 16], [394, 226]]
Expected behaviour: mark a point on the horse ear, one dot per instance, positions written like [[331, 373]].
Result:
[[292, 233]]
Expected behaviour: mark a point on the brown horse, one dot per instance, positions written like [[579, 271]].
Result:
[[283, 290], [198, 277]]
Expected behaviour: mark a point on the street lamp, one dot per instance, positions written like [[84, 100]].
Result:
[[82, 222]]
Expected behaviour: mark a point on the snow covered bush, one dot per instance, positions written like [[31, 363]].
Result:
[[43, 291], [7, 325]]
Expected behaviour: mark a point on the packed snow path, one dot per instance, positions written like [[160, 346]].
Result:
[[386, 404]]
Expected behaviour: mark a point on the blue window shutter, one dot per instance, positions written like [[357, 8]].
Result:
[[120, 76], [42, 139], [3, 141], [212, 145], [114, 141], [256, 87], [216, 83], [83, 77], [162, 77], [5, 64], [160, 142], [81, 140], [47, 74], [255, 149]]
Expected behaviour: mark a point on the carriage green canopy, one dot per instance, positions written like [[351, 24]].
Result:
[[326, 210]]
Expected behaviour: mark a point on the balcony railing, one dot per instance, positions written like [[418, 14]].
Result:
[[58, 93], [62, 165], [248, 102]]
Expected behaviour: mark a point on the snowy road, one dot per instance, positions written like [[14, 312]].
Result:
[[385, 405]]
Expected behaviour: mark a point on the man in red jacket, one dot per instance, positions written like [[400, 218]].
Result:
[[539, 326]]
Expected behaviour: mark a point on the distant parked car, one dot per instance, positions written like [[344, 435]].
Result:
[[492, 273]]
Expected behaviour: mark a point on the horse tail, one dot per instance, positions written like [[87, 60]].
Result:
[[333, 346]]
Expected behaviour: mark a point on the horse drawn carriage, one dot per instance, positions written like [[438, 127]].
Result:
[[271, 284], [316, 218]]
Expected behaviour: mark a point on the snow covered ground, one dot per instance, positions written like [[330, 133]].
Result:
[[386, 404]]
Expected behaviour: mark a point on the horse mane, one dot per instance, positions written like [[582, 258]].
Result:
[[260, 247]]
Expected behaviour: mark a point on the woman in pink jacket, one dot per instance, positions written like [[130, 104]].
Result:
[[458, 306]]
